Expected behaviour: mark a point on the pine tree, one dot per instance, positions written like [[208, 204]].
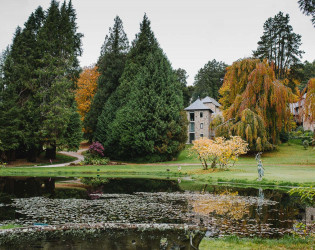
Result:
[[148, 123], [308, 8], [182, 78], [209, 80], [59, 44], [110, 64], [279, 44]]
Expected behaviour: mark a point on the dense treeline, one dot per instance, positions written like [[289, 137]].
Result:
[[38, 74], [136, 112]]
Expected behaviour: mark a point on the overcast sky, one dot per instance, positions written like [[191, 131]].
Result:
[[191, 32]]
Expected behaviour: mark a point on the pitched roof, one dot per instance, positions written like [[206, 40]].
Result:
[[197, 105], [210, 99]]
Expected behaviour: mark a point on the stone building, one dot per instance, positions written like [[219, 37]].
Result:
[[300, 119], [199, 115]]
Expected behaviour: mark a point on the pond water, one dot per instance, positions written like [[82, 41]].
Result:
[[117, 213]]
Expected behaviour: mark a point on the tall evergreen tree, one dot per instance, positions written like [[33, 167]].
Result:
[[147, 123], [110, 64], [279, 44], [10, 118], [308, 8], [182, 78], [209, 80], [60, 45]]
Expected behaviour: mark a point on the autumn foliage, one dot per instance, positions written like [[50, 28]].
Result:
[[251, 84], [219, 151], [86, 89], [309, 104]]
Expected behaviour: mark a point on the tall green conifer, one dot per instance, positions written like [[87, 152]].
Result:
[[148, 123], [110, 64]]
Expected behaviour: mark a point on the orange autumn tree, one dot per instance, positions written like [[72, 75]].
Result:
[[86, 89], [235, 80], [309, 103], [263, 94]]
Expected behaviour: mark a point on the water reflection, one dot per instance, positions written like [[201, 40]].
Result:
[[217, 209]]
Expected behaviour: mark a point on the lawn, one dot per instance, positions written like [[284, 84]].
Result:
[[234, 242], [289, 165]]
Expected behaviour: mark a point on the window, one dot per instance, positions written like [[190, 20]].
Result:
[[201, 114], [191, 137], [192, 127], [201, 135], [201, 125], [192, 116]]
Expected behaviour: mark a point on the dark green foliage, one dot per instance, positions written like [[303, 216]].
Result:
[[308, 8], [305, 72], [209, 80], [279, 44], [110, 64], [142, 117], [182, 77], [39, 74]]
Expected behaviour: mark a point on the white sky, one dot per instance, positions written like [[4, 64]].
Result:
[[191, 32]]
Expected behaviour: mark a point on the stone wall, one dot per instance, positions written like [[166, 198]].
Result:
[[205, 120]]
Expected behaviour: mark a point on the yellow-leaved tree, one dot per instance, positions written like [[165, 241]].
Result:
[[86, 89], [253, 86], [309, 102], [219, 151]]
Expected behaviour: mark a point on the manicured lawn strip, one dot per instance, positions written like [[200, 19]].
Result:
[[233, 242], [285, 155], [9, 226], [274, 175]]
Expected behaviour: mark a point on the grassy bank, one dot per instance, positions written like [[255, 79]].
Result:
[[289, 166], [233, 242]]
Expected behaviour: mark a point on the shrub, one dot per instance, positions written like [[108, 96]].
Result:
[[306, 144], [96, 149], [219, 151], [94, 159]]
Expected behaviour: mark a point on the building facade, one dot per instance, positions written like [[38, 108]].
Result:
[[199, 115], [297, 111]]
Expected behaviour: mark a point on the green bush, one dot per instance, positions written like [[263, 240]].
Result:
[[92, 159]]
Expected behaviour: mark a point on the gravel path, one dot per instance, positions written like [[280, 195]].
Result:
[[77, 154]]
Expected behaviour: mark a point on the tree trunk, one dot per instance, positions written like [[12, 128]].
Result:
[[31, 154], [51, 152]]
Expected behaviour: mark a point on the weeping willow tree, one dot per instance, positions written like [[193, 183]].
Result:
[[250, 127], [257, 101], [235, 80], [309, 104]]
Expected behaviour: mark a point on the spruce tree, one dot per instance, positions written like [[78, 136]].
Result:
[[182, 78], [60, 45], [209, 80], [110, 65], [148, 122]]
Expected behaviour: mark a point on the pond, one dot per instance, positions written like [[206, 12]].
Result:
[[135, 213]]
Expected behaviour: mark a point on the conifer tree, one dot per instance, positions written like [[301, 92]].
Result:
[[148, 123], [110, 65], [279, 44], [60, 45], [182, 78], [209, 80]]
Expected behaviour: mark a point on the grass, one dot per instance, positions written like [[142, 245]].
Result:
[[234, 242], [290, 165], [9, 226]]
